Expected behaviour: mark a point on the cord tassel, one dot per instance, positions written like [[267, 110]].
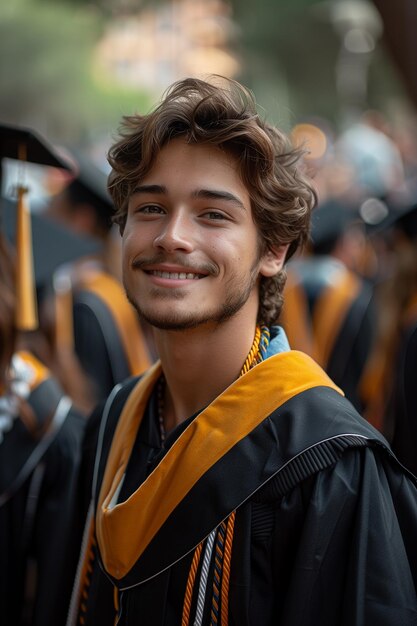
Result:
[[227, 561], [186, 611]]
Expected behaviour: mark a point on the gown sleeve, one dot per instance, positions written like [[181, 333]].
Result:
[[352, 557]]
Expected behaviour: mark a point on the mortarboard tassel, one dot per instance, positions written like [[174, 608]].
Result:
[[26, 307]]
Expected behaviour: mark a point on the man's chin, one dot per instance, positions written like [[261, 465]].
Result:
[[167, 318], [172, 325], [171, 322]]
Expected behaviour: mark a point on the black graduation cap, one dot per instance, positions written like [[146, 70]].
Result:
[[36, 148]]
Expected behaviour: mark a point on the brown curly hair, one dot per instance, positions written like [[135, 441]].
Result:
[[223, 113]]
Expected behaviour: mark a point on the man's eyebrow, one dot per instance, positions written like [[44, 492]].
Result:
[[149, 189], [215, 194], [208, 194]]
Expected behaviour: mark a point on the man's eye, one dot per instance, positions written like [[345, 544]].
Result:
[[150, 209], [214, 215]]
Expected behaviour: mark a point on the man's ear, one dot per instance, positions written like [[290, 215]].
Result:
[[273, 261]]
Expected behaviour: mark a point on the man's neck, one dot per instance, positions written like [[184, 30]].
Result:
[[200, 363]]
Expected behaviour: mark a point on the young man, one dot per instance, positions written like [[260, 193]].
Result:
[[233, 483]]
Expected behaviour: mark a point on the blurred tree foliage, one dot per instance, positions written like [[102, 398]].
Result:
[[287, 58], [47, 83], [113, 7], [289, 52], [288, 55]]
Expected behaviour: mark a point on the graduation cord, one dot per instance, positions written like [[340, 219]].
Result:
[[252, 358], [198, 620], [190, 585], [226, 568], [222, 535], [217, 573], [263, 343]]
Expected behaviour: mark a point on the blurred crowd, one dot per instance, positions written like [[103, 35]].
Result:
[[351, 298], [350, 302]]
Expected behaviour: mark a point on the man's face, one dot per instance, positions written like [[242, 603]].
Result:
[[190, 245]]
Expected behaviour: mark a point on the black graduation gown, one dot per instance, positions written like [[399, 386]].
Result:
[[327, 538], [38, 491]]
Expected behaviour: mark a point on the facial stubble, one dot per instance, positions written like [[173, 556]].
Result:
[[237, 296]]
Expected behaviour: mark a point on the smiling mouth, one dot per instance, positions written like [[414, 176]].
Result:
[[175, 275]]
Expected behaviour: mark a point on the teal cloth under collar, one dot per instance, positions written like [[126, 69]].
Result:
[[278, 342]]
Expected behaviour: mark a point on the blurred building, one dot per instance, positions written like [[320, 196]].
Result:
[[160, 45]]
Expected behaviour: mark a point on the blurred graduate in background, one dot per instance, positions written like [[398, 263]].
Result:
[[93, 317], [328, 308], [402, 409], [389, 380], [40, 431]]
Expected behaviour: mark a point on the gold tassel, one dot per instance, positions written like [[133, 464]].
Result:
[[26, 306]]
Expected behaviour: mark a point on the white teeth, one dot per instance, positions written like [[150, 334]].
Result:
[[175, 275]]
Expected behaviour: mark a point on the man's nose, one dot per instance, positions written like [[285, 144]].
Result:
[[176, 234]]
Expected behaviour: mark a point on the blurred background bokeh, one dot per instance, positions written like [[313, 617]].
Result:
[[71, 68]]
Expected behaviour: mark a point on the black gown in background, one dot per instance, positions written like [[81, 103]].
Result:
[[38, 539], [402, 411]]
